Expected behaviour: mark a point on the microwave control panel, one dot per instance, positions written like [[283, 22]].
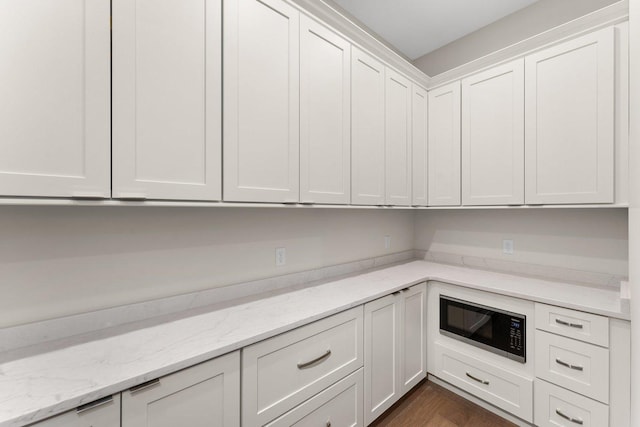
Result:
[[515, 335]]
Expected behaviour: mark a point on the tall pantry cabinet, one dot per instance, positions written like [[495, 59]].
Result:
[[166, 99], [55, 89]]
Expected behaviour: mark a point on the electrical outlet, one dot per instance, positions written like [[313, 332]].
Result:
[[507, 246], [387, 242], [281, 256]]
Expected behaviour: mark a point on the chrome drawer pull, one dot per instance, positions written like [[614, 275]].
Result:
[[314, 361], [571, 325], [477, 379], [145, 386], [96, 403], [569, 365], [567, 417], [329, 423]]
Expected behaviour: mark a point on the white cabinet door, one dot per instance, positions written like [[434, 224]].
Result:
[[205, 395], [261, 101], [167, 99], [413, 354], [367, 129], [493, 136], [381, 355], [397, 139], [325, 115], [101, 413], [55, 90], [419, 145], [569, 115], [444, 145]]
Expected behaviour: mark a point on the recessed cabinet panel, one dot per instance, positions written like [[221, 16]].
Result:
[[55, 90], [261, 101], [444, 145], [570, 121], [397, 139], [493, 136], [205, 395], [413, 359], [419, 145], [381, 356], [167, 95], [367, 129], [325, 115]]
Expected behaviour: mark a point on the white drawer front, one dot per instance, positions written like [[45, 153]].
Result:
[[556, 406], [573, 324], [506, 390], [339, 405], [101, 413], [284, 371], [581, 367]]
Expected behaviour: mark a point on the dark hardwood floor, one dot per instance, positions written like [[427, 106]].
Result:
[[430, 405]]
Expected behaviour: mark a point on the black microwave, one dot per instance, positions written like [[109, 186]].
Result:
[[492, 329]]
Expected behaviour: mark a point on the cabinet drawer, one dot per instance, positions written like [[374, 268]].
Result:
[[506, 390], [101, 413], [556, 406], [581, 367], [339, 405], [284, 371], [573, 324]]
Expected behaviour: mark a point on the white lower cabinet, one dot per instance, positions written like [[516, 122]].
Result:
[[339, 405], [100, 413], [280, 373], [507, 390], [394, 348], [556, 406], [204, 395]]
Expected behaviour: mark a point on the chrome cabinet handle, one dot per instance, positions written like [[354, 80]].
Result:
[[96, 403], [568, 418], [569, 365], [329, 423], [314, 361], [145, 385], [477, 379], [571, 325]]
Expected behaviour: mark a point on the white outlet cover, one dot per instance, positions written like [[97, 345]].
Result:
[[507, 246], [387, 242], [281, 257]]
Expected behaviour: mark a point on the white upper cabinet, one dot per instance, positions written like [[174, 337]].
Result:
[[419, 145], [398, 130], [444, 145], [493, 136], [367, 129], [325, 115], [569, 115], [167, 99], [55, 90], [261, 101]]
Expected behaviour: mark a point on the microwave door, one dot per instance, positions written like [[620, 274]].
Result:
[[482, 320]]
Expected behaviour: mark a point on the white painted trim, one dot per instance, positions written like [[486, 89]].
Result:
[[605, 17]]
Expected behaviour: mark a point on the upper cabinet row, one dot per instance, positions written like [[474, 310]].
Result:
[[538, 130], [308, 117], [291, 88]]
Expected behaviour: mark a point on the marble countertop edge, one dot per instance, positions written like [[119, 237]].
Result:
[[144, 354]]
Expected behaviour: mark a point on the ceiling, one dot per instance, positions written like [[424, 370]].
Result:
[[417, 27]]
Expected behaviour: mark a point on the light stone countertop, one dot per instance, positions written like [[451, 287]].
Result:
[[39, 386]]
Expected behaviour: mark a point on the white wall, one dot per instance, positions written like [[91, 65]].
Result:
[[539, 17], [593, 240], [57, 261]]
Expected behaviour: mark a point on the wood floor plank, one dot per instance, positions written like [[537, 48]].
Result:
[[430, 405]]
